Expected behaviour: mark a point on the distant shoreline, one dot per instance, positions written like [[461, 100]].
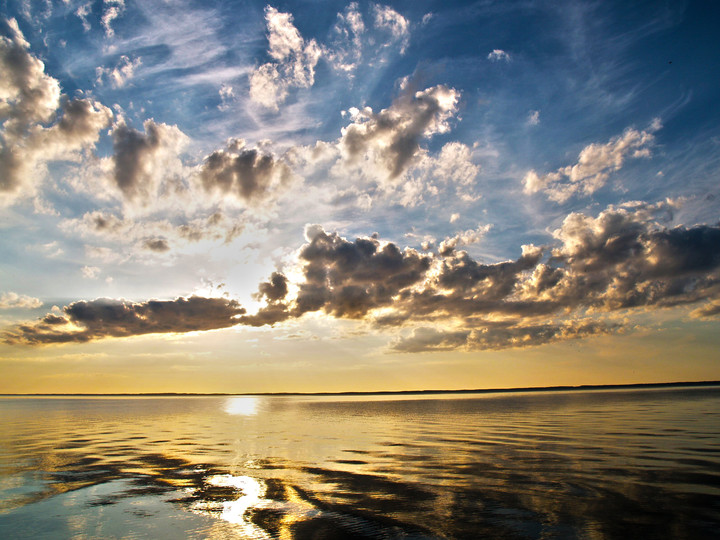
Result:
[[398, 392]]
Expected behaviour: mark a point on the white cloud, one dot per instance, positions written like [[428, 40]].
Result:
[[90, 272], [498, 55], [345, 51], [12, 300], [394, 24], [227, 96], [294, 66], [454, 164], [123, 71], [463, 238], [386, 143], [82, 13], [112, 9], [29, 100], [595, 164], [533, 118]]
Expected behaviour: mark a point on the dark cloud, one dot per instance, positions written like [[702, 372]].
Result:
[[245, 173], [622, 259], [96, 319], [29, 95], [158, 245], [709, 310], [348, 279], [274, 290], [496, 336], [144, 161]]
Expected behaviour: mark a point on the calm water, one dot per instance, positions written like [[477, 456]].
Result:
[[596, 464]]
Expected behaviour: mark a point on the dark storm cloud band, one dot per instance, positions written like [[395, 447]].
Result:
[[620, 260], [102, 318]]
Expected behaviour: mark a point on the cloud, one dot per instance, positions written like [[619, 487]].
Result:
[[345, 50], [293, 66], [90, 272], [112, 9], [146, 165], [157, 245], [709, 310], [29, 101], [533, 118], [465, 238], [497, 336], [134, 236], [389, 140], [12, 300], [27, 94], [395, 25], [595, 164], [123, 71], [82, 13], [103, 318], [498, 55], [623, 260], [245, 174]]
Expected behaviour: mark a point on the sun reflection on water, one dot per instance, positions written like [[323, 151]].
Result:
[[244, 405], [235, 511]]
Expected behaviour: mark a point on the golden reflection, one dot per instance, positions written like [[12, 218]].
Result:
[[234, 511], [244, 405]]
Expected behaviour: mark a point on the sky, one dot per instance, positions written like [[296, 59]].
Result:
[[317, 196]]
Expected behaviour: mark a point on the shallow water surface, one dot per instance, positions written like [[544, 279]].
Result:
[[578, 464]]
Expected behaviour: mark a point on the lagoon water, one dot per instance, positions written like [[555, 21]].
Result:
[[577, 464]]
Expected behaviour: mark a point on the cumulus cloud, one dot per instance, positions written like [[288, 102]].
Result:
[[388, 141], [293, 66], [36, 125], [146, 165], [709, 310], [103, 318], [27, 94], [12, 300], [157, 245], [465, 238], [91, 272], [623, 260], [246, 174], [498, 335], [121, 73], [498, 55], [595, 164]]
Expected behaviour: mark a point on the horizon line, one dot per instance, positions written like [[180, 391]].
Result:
[[559, 388]]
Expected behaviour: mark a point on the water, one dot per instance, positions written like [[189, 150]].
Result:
[[591, 464]]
